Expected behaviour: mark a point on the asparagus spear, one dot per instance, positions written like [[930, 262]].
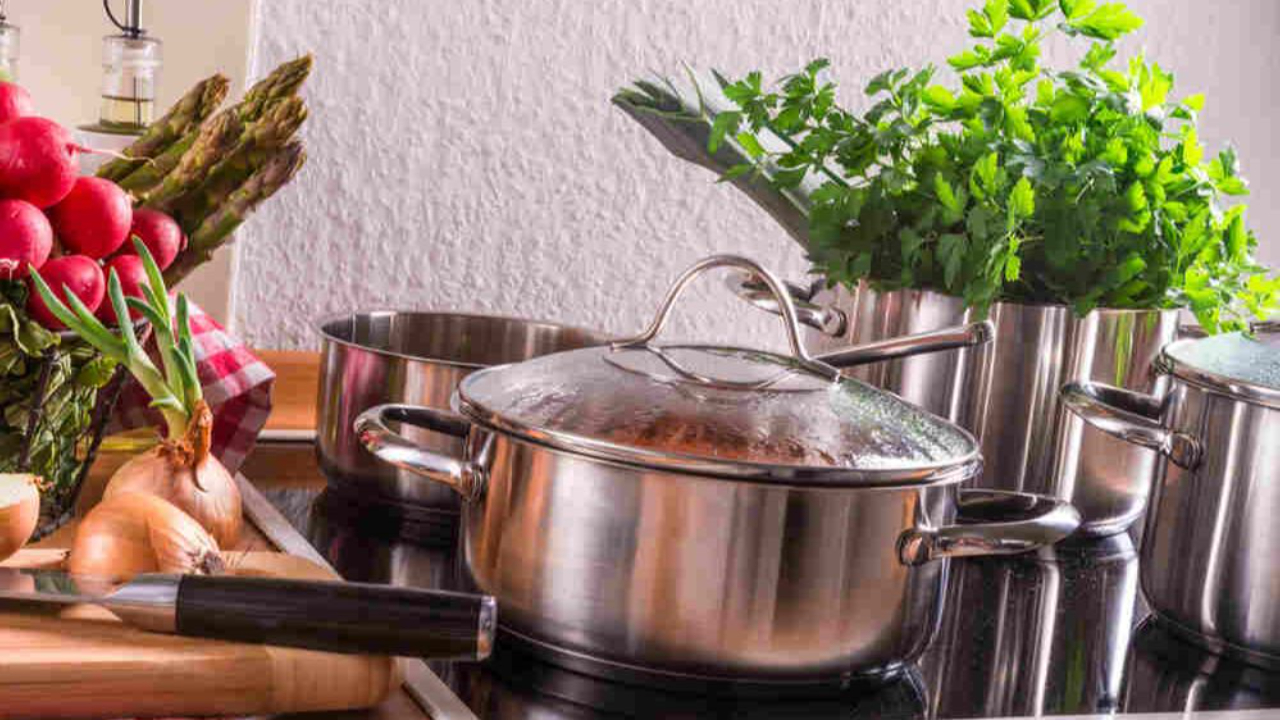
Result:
[[222, 159], [215, 136], [232, 210], [185, 116], [281, 83], [681, 119]]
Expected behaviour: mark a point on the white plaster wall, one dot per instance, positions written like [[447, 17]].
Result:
[[465, 154]]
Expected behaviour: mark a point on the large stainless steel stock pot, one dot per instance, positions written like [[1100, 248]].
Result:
[[709, 512], [371, 358], [1210, 555], [1006, 391]]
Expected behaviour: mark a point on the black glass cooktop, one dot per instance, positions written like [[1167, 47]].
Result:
[[1059, 632]]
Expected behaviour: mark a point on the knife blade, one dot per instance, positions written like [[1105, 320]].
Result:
[[320, 615]]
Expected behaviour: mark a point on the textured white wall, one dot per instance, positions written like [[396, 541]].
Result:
[[465, 154]]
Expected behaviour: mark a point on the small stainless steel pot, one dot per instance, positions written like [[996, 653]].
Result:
[[371, 358], [1210, 553], [656, 564], [1006, 392]]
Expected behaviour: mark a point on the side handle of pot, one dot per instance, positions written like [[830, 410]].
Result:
[[993, 522], [830, 321], [465, 478], [951, 338], [1132, 417]]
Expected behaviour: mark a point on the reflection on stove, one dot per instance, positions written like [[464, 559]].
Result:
[[1041, 634], [1169, 674]]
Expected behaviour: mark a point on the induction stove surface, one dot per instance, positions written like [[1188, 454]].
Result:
[[1063, 631]]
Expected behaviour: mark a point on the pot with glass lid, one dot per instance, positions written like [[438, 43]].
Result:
[[676, 511]]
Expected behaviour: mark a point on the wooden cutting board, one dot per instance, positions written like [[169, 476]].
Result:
[[82, 662]]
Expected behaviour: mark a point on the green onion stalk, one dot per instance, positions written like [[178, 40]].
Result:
[[181, 469]]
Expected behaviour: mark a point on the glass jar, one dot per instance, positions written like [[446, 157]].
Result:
[[9, 37], [131, 74]]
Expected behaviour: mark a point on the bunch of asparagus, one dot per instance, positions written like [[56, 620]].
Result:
[[210, 171]]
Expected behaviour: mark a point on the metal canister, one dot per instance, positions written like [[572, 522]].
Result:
[[1006, 392]]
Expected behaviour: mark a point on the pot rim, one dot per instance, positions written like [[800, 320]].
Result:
[[1225, 385], [809, 476], [321, 326]]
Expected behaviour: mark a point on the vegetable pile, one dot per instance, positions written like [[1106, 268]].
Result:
[[1087, 186], [180, 471], [181, 190]]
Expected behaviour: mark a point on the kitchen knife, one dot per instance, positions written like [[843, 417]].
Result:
[[333, 616]]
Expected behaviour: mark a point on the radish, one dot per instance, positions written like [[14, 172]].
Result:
[[25, 238], [37, 161], [160, 233], [77, 272], [94, 218], [133, 275], [15, 102]]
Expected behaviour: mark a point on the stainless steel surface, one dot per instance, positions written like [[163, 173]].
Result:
[[1044, 633], [1166, 674], [148, 601], [1235, 364], [726, 412], [1054, 520], [1005, 391], [706, 577], [1210, 555], [826, 319], [952, 338], [412, 357], [654, 561], [782, 298]]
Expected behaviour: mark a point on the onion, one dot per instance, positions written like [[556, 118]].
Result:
[[137, 533], [187, 475], [19, 511]]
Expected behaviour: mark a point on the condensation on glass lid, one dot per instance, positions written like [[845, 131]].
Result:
[[797, 420], [1252, 360]]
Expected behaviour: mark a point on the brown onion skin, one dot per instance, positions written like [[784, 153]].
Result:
[[156, 472], [186, 474], [134, 533]]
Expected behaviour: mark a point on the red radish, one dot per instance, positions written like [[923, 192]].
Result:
[[159, 232], [133, 275], [77, 272], [94, 218], [25, 238], [37, 161], [15, 102]]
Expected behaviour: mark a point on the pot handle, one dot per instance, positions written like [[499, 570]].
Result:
[[464, 477], [780, 294], [828, 320], [993, 522], [1132, 417], [959, 336]]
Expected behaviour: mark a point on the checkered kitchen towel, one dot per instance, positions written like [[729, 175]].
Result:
[[237, 386]]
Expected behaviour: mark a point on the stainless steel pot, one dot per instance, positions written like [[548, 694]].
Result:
[[681, 551], [1210, 554], [371, 358], [1006, 392]]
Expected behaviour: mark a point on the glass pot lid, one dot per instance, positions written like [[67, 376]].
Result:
[[719, 411], [1235, 364]]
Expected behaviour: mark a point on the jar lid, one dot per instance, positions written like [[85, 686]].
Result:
[[719, 411], [1233, 364]]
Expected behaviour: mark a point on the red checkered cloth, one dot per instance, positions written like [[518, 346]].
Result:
[[237, 387]]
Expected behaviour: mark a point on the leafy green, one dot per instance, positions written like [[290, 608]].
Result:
[[58, 441], [1085, 186]]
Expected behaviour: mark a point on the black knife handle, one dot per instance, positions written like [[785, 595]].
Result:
[[338, 617]]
